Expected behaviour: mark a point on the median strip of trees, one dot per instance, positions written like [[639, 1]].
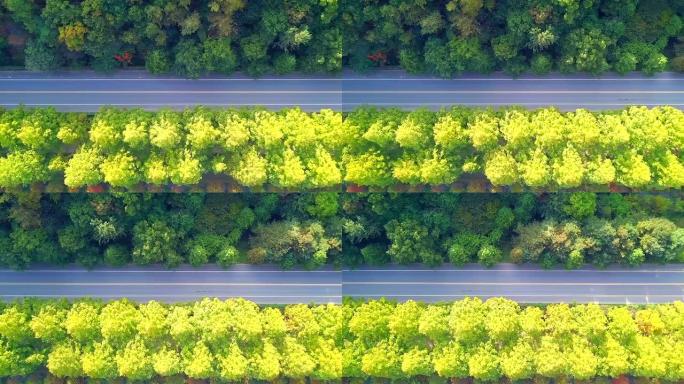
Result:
[[311, 230], [637, 148]]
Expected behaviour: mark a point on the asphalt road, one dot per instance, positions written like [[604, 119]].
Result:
[[269, 285], [526, 284], [87, 91], [261, 284]]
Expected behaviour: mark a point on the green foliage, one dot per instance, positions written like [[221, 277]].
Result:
[[154, 242], [292, 242], [314, 229], [410, 243], [236, 340], [294, 150], [191, 39], [41, 57], [447, 38], [157, 62], [489, 255]]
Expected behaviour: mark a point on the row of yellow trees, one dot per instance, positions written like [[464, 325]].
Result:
[[636, 147], [235, 339]]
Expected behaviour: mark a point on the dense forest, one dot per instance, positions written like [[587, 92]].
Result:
[[192, 37], [452, 36], [310, 230], [235, 340], [639, 148], [189, 37]]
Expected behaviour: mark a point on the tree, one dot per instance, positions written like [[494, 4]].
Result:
[[301, 322], [119, 321], [569, 170], [541, 64], [273, 323], [582, 364], [154, 242], [22, 168], [433, 323], [535, 171], [466, 321], [585, 51], [201, 134], [501, 320], [99, 363], [227, 256], [367, 169], [375, 254], [187, 171], [232, 365], [157, 62], [284, 63], [189, 59], [329, 361], [621, 324], [451, 361], [411, 134], [83, 168], [14, 326], [469, 55], [48, 325], [165, 132], [251, 170], [121, 170], [218, 56], [322, 169], [156, 170], [648, 359], [370, 321], [82, 322], [134, 361], [518, 363], [40, 56], [484, 364], [152, 325], [484, 132], [296, 363], [489, 255], [438, 170], [615, 360], [549, 359], [580, 205], [199, 362], [409, 242], [167, 362], [291, 172], [416, 362], [65, 361], [404, 321], [117, 255], [265, 364], [382, 360]]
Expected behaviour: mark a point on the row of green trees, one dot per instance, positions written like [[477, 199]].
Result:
[[187, 37], [235, 339], [450, 37], [636, 147], [261, 36], [343, 229]]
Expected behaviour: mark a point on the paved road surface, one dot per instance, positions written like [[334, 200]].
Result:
[[261, 284], [648, 284], [266, 284], [87, 91]]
